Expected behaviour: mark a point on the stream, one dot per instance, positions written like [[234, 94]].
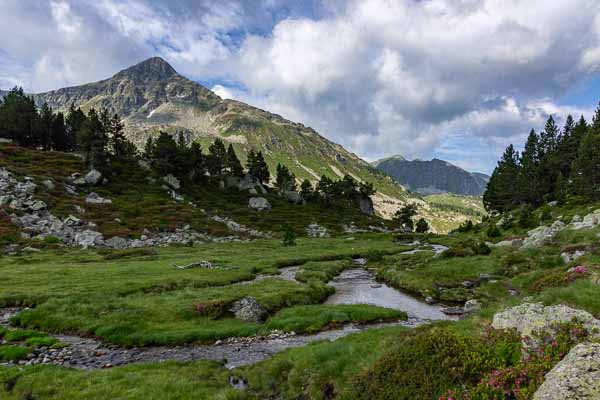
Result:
[[353, 286]]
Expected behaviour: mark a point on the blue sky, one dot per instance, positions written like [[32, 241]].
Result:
[[453, 79]]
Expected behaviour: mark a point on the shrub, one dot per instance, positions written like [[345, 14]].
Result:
[[465, 227], [546, 214], [212, 309], [375, 255], [289, 236], [428, 362], [481, 249], [52, 240], [526, 218], [493, 231]]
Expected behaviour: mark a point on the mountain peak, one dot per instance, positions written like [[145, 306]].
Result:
[[154, 67]]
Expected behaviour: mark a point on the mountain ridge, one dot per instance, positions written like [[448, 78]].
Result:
[[433, 176]]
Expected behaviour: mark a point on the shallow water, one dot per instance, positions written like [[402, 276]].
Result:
[[358, 286]]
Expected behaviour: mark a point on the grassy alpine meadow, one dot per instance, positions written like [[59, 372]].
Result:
[[138, 296]]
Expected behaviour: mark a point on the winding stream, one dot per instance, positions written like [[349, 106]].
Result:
[[353, 286]]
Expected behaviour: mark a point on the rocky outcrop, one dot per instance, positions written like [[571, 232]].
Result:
[[93, 177], [95, 198], [293, 197], [542, 235], [365, 204], [249, 309], [529, 318], [316, 230], [172, 181], [239, 228], [575, 377], [259, 204]]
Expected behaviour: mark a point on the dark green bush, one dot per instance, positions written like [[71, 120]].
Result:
[[493, 231]]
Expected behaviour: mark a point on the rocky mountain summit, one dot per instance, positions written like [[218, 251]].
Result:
[[151, 96], [434, 176]]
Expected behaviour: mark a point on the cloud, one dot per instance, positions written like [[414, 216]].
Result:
[[421, 78]]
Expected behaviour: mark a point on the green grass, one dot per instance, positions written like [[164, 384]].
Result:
[[204, 380], [13, 353], [132, 298], [319, 370], [314, 318]]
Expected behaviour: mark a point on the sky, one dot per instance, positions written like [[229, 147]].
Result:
[[453, 79]]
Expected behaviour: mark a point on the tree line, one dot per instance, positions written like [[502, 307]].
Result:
[[555, 165], [100, 137]]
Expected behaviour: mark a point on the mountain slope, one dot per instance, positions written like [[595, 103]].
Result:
[[435, 176], [151, 96]]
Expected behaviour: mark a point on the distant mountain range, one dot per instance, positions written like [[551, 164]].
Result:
[[434, 176]]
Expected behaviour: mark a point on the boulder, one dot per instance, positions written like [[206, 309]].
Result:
[[95, 198], [316, 230], [542, 235], [93, 177], [38, 205], [249, 182], [259, 204], [509, 243], [529, 318], [589, 221], [116, 242], [49, 185], [172, 181], [472, 305], [72, 220], [575, 377], [88, 238], [572, 256], [249, 309], [294, 197], [365, 204]]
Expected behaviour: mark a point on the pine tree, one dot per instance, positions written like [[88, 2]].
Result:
[[119, 144], [197, 161], [306, 190], [93, 139], [165, 154], [44, 136], [404, 216], [233, 162], [586, 168], [217, 158], [19, 119], [529, 171], [257, 166], [60, 139], [149, 148], [284, 180], [422, 226], [75, 122], [502, 193]]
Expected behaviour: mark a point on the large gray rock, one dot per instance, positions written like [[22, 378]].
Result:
[[116, 242], [529, 318], [366, 205], [542, 235], [88, 238], [576, 377], [294, 197], [316, 230], [249, 182], [259, 204], [249, 309], [589, 221], [95, 198], [93, 177], [49, 185], [172, 181]]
